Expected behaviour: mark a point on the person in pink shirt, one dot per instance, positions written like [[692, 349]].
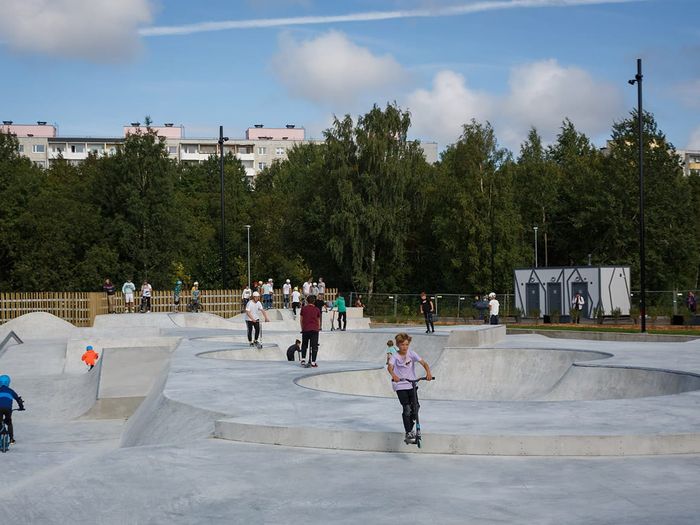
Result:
[[402, 366]]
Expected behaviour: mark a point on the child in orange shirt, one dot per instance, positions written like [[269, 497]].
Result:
[[90, 357]]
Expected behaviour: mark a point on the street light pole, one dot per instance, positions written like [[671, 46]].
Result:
[[222, 139], [535, 228], [642, 248], [247, 227]]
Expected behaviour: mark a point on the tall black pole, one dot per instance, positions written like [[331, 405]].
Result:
[[223, 223], [642, 249]]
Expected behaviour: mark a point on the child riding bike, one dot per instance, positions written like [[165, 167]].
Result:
[[7, 395]]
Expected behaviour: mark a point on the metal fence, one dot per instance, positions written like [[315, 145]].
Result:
[[404, 307]]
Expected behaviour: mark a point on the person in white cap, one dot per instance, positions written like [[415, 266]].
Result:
[[286, 291], [494, 307], [314, 289], [296, 301], [252, 311], [267, 294]]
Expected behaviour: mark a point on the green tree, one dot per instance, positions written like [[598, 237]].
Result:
[[477, 226], [372, 167]]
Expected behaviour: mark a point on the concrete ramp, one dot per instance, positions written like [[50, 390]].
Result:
[[37, 325], [607, 382]]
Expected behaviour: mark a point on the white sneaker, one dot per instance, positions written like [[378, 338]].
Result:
[[303, 362]]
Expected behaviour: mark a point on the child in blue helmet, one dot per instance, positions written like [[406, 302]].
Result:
[[6, 397]]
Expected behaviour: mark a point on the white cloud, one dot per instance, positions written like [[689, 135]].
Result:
[[330, 69], [97, 30], [541, 94], [439, 113], [694, 142], [433, 10]]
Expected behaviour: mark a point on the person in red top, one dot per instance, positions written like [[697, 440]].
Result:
[[310, 320], [90, 357]]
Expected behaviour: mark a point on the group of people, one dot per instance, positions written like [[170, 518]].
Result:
[[291, 297], [490, 303], [146, 295]]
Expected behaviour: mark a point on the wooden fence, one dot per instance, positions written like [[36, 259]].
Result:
[[80, 308]]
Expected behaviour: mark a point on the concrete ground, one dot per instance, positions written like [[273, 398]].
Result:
[[164, 465]]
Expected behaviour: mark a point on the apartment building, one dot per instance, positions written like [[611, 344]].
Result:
[[261, 146], [690, 159]]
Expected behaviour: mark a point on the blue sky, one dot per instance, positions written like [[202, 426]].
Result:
[[93, 65]]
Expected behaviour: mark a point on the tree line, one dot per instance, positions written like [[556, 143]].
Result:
[[363, 209]]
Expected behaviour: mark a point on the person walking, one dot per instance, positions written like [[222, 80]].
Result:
[[128, 290], [177, 292], [427, 308], [253, 310], [342, 312], [310, 322], [576, 306], [286, 292], [245, 297], [306, 288], [109, 288], [296, 301], [494, 309]]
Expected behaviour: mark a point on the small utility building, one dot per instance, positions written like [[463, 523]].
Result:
[[550, 291]]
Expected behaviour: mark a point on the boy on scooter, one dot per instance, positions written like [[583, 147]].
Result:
[[402, 366]]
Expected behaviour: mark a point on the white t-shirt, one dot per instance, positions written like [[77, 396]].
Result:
[[267, 288], [307, 288], [247, 293], [296, 296], [254, 307], [494, 305], [286, 288], [321, 287], [146, 290]]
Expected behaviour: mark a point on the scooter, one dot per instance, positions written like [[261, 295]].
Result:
[[417, 440]]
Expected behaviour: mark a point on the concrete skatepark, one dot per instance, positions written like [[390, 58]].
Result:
[[182, 422]]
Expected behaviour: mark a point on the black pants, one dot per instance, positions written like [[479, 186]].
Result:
[[294, 307], [494, 319], [6, 414], [244, 303], [342, 316], [429, 322], [250, 325], [407, 398], [312, 339], [145, 304]]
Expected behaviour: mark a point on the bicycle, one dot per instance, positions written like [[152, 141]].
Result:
[[5, 434], [414, 382]]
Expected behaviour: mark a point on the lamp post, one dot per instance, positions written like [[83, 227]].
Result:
[[247, 227], [642, 251], [222, 139], [535, 228]]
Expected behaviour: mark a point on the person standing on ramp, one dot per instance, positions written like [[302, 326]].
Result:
[[310, 321]]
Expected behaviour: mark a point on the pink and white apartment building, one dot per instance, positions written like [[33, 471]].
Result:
[[261, 146]]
